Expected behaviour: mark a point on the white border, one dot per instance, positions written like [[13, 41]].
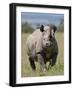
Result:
[[65, 77]]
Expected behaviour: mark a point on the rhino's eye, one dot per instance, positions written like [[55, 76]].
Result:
[[50, 37], [44, 39]]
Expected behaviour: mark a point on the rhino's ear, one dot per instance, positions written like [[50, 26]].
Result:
[[55, 28], [42, 28]]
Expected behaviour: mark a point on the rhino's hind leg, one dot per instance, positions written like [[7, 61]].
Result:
[[32, 63]]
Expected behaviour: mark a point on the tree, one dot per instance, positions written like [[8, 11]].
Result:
[[61, 26]]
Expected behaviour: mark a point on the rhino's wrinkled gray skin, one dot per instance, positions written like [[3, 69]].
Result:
[[42, 47]]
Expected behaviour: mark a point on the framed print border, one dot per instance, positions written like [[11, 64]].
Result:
[[12, 64]]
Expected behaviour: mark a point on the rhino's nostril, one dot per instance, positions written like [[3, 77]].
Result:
[[47, 44]]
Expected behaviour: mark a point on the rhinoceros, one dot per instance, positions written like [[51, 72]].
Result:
[[42, 47]]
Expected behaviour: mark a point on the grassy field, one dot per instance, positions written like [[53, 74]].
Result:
[[58, 69]]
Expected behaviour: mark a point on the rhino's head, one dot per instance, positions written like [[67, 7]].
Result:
[[48, 33]]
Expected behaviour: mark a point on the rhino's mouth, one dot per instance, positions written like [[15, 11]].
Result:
[[48, 45]]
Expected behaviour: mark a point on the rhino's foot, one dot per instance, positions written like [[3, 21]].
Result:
[[43, 70], [49, 67]]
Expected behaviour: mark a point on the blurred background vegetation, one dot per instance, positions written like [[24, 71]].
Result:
[[28, 28], [60, 27]]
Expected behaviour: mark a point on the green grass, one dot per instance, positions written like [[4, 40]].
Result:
[[58, 69]]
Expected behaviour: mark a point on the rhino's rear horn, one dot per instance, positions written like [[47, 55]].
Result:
[[42, 28]]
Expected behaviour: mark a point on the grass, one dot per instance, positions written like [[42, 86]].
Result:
[[58, 69]]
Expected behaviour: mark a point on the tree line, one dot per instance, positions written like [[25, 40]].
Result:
[[27, 28]]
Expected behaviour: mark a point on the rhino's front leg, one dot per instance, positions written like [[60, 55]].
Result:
[[41, 62], [54, 59]]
